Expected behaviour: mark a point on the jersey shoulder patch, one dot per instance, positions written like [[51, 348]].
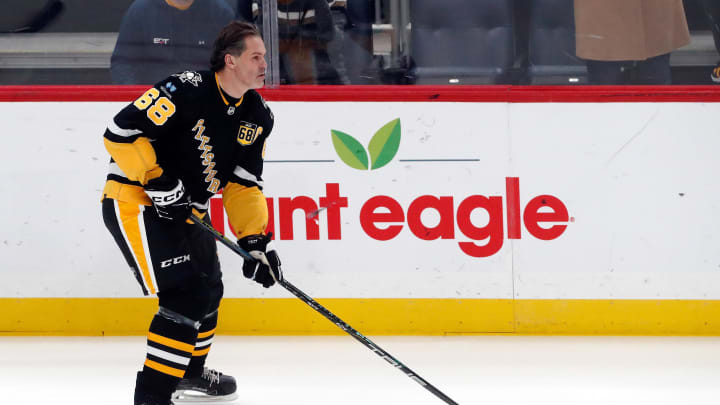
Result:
[[191, 77], [187, 86]]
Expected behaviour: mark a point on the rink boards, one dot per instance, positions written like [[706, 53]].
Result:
[[472, 211]]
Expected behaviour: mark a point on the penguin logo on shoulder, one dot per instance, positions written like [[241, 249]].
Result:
[[187, 76]]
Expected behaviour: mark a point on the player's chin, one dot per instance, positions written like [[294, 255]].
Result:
[[260, 81]]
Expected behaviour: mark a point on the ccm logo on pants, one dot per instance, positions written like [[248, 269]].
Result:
[[175, 260]]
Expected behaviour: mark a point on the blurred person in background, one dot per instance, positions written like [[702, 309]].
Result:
[[306, 30], [161, 36], [629, 41], [29, 15], [335, 48], [711, 8]]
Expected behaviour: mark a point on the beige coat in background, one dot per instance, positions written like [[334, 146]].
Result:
[[615, 30]]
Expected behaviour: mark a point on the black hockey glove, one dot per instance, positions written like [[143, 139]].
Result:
[[169, 198], [266, 268]]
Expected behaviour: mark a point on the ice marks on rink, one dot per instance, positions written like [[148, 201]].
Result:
[[338, 370]]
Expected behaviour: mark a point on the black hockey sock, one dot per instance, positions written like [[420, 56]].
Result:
[[202, 346], [169, 349]]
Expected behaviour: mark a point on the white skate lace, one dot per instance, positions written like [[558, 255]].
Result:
[[211, 375]]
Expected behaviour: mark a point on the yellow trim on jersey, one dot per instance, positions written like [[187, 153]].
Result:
[[175, 344], [246, 209], [126, 193], [129, 221], [205, 334], [202, 352], [175, 372], [136, 195], [137, 159], [217, 82]]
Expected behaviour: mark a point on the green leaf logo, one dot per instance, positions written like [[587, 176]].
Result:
[[383, 147], [385, 144], [350, 150]]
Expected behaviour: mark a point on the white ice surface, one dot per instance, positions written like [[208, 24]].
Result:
[[340, 371]]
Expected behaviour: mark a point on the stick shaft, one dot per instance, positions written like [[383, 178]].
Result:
[[366, 341], [330, 316], [221, 238]]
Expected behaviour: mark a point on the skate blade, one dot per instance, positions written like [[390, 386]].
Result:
[[186, 396]]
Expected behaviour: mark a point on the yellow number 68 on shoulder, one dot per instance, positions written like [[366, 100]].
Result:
[[160, 108]]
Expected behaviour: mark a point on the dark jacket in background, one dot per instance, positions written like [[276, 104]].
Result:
[[156, 39], [305, 27]]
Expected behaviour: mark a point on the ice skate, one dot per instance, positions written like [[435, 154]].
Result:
[[210, 386], [145, 398]]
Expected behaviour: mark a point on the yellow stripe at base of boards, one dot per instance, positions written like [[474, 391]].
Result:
[[374, 316]]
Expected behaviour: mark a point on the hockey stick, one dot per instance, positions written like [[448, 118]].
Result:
[[329, 315]]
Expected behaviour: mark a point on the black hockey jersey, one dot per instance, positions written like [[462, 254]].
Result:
[[186, 127]]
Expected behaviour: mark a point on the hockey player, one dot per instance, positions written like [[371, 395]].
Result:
[[185, 139]]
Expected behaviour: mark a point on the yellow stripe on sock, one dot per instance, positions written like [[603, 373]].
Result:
[[175, 344], [206, 334], [202, 352], [175, 372]]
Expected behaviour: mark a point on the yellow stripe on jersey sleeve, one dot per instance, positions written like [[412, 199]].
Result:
[[126, 193], [137, 159], [246, 209]]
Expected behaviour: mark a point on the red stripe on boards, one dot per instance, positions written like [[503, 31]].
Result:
[[411, 93]]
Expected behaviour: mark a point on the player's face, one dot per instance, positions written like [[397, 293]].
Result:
[[251, 63]]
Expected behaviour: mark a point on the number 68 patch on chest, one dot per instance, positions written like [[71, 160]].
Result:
[[248, 133]]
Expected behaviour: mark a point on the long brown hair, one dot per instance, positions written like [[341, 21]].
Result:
[[231, 39]]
